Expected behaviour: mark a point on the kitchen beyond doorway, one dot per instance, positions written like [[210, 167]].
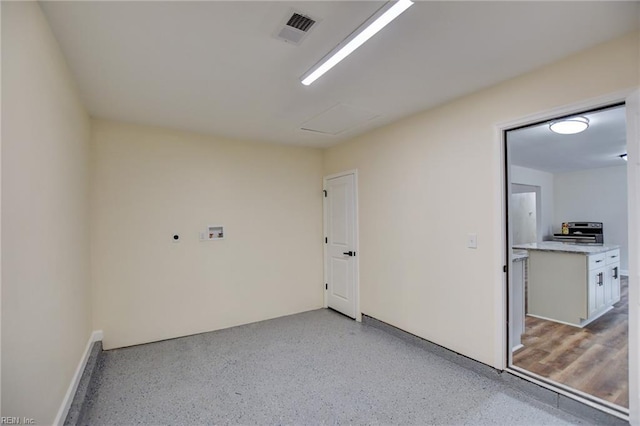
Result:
[[590, 359]]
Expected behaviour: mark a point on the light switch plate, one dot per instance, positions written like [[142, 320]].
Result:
[[472, 241]]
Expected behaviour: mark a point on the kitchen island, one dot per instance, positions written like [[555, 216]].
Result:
[[571, 283]]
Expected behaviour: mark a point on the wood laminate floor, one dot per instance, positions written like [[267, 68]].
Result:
[[593, 359]]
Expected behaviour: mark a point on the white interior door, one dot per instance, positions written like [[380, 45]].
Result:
[[340, 242]]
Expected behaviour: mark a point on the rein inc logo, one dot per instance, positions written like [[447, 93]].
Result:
[[17, 421]]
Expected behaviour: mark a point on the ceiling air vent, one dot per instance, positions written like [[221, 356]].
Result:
[[295, 28], [300, 22]]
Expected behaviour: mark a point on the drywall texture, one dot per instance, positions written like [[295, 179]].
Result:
[[596, 195], [427, 181], [46, 317], [149, 184]]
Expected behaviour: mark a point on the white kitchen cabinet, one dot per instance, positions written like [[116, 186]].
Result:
[[615, 283], [517, 312], [572, 284], [604, 282], [596, 295], [612, 277]]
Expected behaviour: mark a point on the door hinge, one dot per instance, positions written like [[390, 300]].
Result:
[[504, 268], [325, 193], [326, 240], [326, 286]]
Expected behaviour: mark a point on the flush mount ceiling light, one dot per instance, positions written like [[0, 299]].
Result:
[[569, 126], [368, 29], [624, 156]]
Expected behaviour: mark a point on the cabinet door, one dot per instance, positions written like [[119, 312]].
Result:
[[612, 279], [608, 285], [613, 282], [596, 290]]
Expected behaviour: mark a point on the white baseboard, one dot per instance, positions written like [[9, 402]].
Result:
[[75, 380]]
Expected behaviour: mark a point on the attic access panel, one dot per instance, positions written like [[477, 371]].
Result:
[[338, 119]]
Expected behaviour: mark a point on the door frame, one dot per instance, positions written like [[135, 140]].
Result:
[[356, 272], [503, 251]]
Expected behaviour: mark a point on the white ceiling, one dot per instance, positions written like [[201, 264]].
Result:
[[216, 68], [601, 145]]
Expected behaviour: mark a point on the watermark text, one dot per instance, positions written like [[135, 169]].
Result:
[[6, 420]]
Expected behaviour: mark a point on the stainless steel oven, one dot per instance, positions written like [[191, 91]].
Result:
[[581, 233]]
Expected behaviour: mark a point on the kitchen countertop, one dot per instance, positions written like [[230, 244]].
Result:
[[566, 248], [518, 255]]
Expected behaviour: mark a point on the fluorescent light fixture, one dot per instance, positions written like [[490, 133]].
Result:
[[368, 29], [624, 156], [569, 126]]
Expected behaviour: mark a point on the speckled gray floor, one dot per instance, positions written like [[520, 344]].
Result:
[[316, 367]]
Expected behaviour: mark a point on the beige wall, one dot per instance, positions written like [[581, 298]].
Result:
[[596, 195], [149, 184], [427, 181], [46, 316], [424, 183]]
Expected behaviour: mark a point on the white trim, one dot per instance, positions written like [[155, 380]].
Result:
[[633, 202], [325, 292], [357, 243], [504, 254], [353, 172], [73, 386], [583, 324], [502, 355], [97, 336], [593, 103]]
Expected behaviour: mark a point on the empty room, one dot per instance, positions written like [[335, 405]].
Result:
[[319, 212]]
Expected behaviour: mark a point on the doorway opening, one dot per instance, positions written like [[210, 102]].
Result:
[[566, 210]]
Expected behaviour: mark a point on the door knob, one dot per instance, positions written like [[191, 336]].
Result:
[[349, 253]]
